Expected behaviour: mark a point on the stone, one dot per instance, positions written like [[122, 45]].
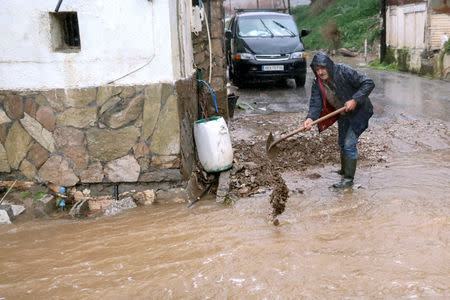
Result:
[[17, 209], [223, 189], [79, 97], [30, 107], [41, 100], [55, 98], [78, 117], [124, 169], [27, 169], [152, 106], [146, 197], [100, 203], [109, 104], [13, 105], [4, 164], [78, 155], [140, 150], [78, 196], [46, 117], [39, 133], [104, 93], [165, 162], [68, 137], [127, 92], [93, 174], [165, 175], [144, 163], [6, 214], [123, 114], [17, 144], [3, 117], [46, 204], [178, 195], [37, 154], [119, 206], [166, 137], [3, 133], [104, 145], [56, 170]]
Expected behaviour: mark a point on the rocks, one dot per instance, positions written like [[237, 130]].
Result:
[[224, 186], [125, 169], [145, 198], [56, 170], [118, 206], [47, 204], [6, 214]]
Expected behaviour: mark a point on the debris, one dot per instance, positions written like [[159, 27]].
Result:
[[119, 206]]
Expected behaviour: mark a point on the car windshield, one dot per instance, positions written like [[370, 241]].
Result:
[[267, 26]]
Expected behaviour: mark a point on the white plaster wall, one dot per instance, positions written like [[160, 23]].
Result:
[[117, 37]]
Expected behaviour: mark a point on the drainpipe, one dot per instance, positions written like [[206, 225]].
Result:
[[383, 31], [58, 5]]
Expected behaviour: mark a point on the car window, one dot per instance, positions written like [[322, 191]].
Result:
[[266, 26]]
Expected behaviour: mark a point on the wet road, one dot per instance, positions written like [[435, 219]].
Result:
[[388, 239], [395, 93]]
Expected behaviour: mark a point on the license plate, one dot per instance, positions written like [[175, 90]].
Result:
[[273, 68]]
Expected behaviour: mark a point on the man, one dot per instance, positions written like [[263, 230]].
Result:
[[339, 85]]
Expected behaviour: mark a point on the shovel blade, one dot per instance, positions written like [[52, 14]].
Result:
[[271, 150]]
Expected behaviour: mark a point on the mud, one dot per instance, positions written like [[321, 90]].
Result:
[[308, 151]]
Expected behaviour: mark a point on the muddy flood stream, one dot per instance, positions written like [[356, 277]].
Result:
[[391, 240]]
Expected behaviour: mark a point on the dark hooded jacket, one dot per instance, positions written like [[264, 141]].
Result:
[[350, 84]]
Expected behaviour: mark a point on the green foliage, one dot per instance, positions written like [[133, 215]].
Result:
[[26, 194], [39, 195], [445, 50], [356, 19], [383, 66]]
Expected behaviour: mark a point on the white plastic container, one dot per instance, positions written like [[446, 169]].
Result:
[[213, 144]]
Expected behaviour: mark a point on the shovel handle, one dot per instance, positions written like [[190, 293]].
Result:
[[337, 111]]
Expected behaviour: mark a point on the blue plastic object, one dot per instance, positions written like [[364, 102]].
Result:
[[212, 94]]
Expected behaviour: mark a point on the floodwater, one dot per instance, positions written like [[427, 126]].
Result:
[[386, 238]]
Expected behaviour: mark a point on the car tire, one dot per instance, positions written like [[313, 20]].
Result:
[[300, 80]]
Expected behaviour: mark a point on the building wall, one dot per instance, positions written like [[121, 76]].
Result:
[[406, 26], [116, 39], [119, 109]]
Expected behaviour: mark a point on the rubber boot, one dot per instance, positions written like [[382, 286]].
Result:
[[349, 174], [341, 170]]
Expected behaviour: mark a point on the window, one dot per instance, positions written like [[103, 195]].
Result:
[[64, 31]]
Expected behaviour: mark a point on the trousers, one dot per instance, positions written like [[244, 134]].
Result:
[[347, 139]]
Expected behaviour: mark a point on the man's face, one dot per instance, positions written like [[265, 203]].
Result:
[[322, 72]]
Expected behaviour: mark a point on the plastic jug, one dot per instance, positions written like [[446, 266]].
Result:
[[213, 144]]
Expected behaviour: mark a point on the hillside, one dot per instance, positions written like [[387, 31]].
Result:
[[339, 23]]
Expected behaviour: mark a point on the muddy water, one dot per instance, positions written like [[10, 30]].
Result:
[[389, 240]]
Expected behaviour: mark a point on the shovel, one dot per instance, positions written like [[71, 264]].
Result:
[[271, 142]]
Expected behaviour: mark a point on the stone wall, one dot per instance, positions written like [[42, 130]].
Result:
[[201, 59], [101, 134]]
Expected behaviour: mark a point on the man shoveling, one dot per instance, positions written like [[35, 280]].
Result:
[[336, 86]]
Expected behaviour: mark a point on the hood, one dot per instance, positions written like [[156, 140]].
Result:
[[274, 45], [322, 60]]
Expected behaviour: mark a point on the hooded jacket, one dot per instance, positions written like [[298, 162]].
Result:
[[350, 84]]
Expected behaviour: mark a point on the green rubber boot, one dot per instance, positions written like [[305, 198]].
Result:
[[349, 174], [341, 170]]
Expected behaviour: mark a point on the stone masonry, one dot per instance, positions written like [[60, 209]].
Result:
[[101, 134]]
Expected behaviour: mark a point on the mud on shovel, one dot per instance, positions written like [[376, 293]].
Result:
[[272, 151]]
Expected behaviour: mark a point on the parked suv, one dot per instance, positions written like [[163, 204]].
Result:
[[264, 45]]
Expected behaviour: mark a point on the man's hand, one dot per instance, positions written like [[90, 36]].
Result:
[[350, 105], [307, 124]]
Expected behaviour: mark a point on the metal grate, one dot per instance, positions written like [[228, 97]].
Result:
[[71, 32], [272, 57]]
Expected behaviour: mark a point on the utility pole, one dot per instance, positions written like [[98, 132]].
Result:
[[257, 4], [383, 31], [289, 6]]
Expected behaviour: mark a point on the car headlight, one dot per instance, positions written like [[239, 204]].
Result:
[[299, 55], [243, 56]]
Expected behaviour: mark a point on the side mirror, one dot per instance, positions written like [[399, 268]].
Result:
[[228, 34], [304, 32]]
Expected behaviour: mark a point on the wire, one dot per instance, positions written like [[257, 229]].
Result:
[[146, 64]]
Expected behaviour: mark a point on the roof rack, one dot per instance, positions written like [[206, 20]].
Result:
[[260, 9]]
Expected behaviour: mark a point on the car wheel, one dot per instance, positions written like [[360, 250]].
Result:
[[300, 80]]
